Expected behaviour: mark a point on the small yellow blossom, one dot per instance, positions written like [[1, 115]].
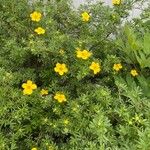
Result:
[[34, 148], [28, 87], [83, 54], [74, 109], [36, 16], [130, 122], [45, 120], [113, 16], [60, 97], [65, 130], [85, 16], [117, 67], [54, 125], [78, 49], [116, 2], [61, 68], [50, 148], [66, 121], [61, 51], [44, 92], [95, 67], [137, 118], [39, 30], [134, 72]]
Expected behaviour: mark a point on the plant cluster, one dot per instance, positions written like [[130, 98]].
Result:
[[74, 79]]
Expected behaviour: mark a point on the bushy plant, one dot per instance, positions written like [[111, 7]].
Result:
[[67, 82]]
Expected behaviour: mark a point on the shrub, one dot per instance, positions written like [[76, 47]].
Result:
[[67, 82]]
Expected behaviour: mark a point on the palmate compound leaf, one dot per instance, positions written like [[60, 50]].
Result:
[[142, 59], [143, 55], [147, 43], [128, 43], [145, 84]]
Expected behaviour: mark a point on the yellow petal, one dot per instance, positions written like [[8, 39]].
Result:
[[61, 73], [27, 91], [34, 86], [79, 54], [56, 96], [29, 82], [56, 69], [58, 65], [24, 85], [65, 69], [34, 148], [44, 92]]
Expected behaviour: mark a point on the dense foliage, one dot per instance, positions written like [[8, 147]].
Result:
[[74, 79]]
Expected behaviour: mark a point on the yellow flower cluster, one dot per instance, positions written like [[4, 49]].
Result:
[[29, 86], [85, 54], [61, 68], [36, 16], [118, 66]]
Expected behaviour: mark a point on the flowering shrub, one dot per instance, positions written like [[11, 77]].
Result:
[[73, 79]]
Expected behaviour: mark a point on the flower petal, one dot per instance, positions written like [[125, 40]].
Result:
[[24, 85], [29, 82], [34, 86], [27, 91]]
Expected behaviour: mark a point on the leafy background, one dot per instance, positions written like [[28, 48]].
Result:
[[109, 111]]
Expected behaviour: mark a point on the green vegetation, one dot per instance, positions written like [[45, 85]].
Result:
[[74, 79]]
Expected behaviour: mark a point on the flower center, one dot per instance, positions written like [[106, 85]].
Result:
[[28, 87], [61, 69], [95, 67]]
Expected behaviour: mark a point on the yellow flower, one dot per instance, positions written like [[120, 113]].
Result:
[[34, 148], [39, 30], [117, 67], [36, 16], [116, 2], [61, 68], [83, 54], [85, 16], [95, 67], [60, 97], [28, 87], [44, 92], [134, 72]]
